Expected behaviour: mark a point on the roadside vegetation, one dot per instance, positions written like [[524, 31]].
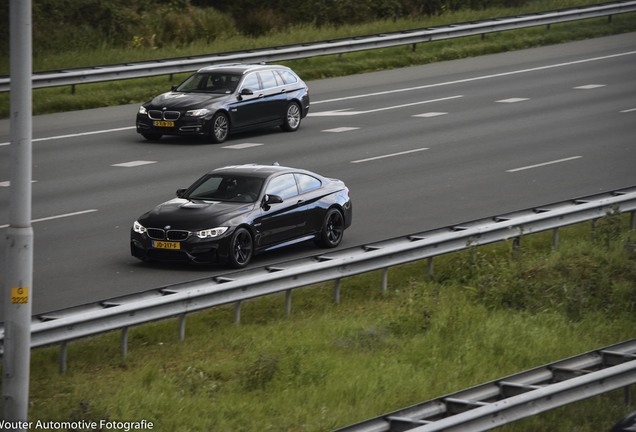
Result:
[[87, 33], [486, 314]]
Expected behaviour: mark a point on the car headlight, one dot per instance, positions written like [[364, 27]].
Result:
[[211, 233], [139, 228], [197, 112], [142, 110]]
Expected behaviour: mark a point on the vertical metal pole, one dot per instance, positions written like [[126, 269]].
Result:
[[237, 312], [336, 292], [18, 292], [124, 341], [555, 238], [182, 322], [63, 357], [385, 280], [288, 303]]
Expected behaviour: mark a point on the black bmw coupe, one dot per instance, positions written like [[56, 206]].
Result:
[[219, 100], [232, 213]]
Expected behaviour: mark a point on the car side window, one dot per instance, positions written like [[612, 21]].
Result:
[[307, 183], [251, 82], [288, 77], [284, 186], [268, 79]]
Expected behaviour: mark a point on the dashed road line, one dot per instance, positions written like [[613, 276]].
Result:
[[390, 155], [544, 164], [132, 164], [58, 216]]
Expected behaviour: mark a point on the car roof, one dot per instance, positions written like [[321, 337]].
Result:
[[240, 68], [258, 170]]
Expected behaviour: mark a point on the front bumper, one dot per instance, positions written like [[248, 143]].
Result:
[[192, 250], [183, 127]]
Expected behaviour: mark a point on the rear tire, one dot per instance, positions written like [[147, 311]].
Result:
[[291, 122], [332, 229], [241, 248], [219, 128]]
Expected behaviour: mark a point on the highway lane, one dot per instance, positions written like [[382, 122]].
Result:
[[420, 148]]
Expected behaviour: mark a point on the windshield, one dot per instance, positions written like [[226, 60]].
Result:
[[210, 82], [229, 188]]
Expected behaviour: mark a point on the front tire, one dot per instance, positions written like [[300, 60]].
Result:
[[292, 118], [220, 128], [332, 229], [241, 248]]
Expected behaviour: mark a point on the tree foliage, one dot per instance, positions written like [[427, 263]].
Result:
[[61, 25]]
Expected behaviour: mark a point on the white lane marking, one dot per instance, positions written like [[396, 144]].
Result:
[[512, 100], [58, 216], [544, 164], [346, 112], [133, 163], [478, 78], [76, 135], [503, 74], [242, 146], [340, 129], [389, 155], [8, 183], [589, 86], [628, 110], [431, 114]]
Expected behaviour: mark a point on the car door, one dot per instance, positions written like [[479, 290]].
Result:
[[248, 109], [280, 222]]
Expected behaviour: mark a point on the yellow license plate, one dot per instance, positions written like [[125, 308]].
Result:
[[166, 245], [161, 123]]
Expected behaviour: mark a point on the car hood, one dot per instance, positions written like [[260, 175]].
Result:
[[183, 214], [181, 100]]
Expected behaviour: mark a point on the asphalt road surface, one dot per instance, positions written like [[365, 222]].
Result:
[[420, 148]]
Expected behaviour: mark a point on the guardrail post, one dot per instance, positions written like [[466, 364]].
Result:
[[124, 341], [63, 357], [429, 268], [336, 292], [628, 395], [288, 302], [516, 244], [182, 319], [555, 238], [632, 220], [237, 312], [385, 280]]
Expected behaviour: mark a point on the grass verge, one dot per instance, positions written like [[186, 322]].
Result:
[[486, 314]]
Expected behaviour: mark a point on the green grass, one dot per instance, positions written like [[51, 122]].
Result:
[[486, 314], [86, 96]]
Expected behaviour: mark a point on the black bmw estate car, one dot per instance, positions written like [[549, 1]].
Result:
[[219, 100], [232, 213]]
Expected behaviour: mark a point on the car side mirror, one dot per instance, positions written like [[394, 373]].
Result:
[[246, 92], [268, 200], [180, 193]]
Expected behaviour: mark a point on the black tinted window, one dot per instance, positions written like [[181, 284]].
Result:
[[284, 186], [251, 82], [307, 183], [268, 79], [227, 188], [288, 77]]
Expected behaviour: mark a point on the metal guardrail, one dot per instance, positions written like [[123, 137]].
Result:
[[313, 49], [235, 287], [512, 398]]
